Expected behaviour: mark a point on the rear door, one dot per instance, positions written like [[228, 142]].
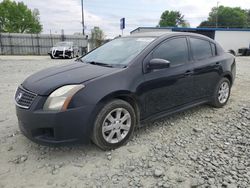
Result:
[[171, 87], [206, 66]]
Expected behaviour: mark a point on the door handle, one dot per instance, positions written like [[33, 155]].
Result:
[[188, 73]]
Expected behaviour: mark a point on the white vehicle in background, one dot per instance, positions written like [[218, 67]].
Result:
[[64, 50]]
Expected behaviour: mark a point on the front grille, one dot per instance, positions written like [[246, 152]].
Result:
[[59, 52], [24, 98]]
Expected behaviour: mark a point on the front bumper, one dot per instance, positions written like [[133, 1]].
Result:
[[73, 125], [62, 54]]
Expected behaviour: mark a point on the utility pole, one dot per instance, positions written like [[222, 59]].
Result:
[[83, 20], [217, 14]]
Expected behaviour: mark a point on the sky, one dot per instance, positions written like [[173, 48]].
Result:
[[56, 15]]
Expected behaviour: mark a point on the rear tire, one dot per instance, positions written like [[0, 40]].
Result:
[[114, 125], [222, 93]]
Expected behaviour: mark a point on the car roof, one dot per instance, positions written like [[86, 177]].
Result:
[[167, 34], [151, 34]]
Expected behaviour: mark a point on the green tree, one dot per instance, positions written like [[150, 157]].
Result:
[[18, 18], [97, 37], [206, 24], [248, 18], [172, 19], [226, 17]]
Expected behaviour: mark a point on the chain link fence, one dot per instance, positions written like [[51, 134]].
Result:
[[36, 44]]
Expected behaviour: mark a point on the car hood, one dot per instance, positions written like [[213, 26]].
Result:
[[47, 80]]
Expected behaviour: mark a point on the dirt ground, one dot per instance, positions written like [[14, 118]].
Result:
[[201, 147]]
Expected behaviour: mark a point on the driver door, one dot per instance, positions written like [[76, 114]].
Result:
[[170, 87]]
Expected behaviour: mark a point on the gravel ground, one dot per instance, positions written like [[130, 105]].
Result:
[[201, 147]]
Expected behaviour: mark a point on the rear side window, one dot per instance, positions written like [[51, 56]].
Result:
[[174, 50], [201, 48]]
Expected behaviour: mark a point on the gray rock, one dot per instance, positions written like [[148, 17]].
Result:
[[131, 168], [197, 130], [55, 171], [153, 159], [40, 166], [166, 185], [64, 184], [109, 157], [56, 166], [10, 148], [20, 159], [160, 184], [158, 146], [158, 172], [144, 158], [23, 158], [168, 155], [196, 182], [180, 179], [150, 164], [193, 157]]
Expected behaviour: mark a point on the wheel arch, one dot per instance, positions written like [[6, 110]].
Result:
[[127, 96], [229, 77]]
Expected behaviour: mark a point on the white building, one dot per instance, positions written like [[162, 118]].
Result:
[[231, 39]]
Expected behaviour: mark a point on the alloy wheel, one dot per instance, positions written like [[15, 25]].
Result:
[[223, 92], [116, 125]]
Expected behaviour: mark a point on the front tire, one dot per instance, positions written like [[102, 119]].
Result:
[[221, 93], [114, 125], [51, 56]]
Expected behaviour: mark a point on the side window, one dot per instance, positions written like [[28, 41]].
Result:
[[213, 49], [174, 50], [201, 48]]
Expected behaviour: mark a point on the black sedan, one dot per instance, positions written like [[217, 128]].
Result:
[[108, 92]]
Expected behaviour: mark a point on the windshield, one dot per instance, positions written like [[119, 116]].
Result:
[[64, 44], [119, 51]]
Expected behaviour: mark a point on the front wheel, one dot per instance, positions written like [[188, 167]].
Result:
[[114, 125], [222, 93], [51, 56]]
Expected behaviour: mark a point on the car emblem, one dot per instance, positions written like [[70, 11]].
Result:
[[19, 96]]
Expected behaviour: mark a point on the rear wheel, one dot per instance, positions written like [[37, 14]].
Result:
[[222, 93], [114, 125]]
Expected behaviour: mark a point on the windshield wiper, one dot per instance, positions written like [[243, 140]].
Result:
[[100, 64]]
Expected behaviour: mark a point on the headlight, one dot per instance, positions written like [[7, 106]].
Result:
[[59, 99]]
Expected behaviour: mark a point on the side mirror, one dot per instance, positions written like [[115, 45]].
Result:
[[158, 64]]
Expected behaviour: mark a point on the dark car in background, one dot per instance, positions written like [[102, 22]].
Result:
[[107, 93], [65, 49]]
